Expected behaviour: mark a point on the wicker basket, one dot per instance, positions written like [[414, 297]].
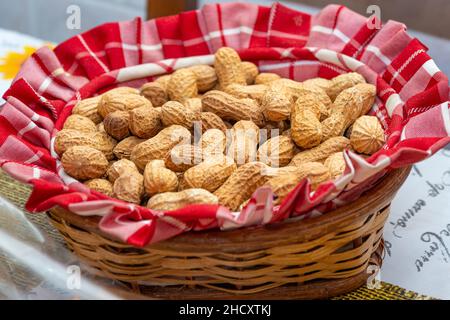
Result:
[[314, 258]]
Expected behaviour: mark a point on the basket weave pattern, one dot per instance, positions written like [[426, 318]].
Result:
[[337, 246]]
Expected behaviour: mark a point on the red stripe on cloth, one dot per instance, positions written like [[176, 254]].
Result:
[[260, 28], [361, 38], [336, 18], [192, 35], [139, 39], [169, 32], [219, 19], [287, 27], [404, 66], [24, 92]]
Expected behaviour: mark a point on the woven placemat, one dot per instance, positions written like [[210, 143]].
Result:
[[18, 193]]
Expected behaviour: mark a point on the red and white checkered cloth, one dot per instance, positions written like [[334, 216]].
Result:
[[412, 105]]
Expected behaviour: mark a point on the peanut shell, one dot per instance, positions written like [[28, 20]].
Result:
[[119, 168], [116, 124], [335, 164], [342, 82], [84, 163], [321, 152], [159, 179], [80, 123], [206, 77], [100, 185], [210, 174], [169, 201], [174, 113], [250, 71], [155, 92], [230, 108], [89, 109], [123, 149], [266, 78], [228, 67], [367, 135], [182, 85], [210, 120], [129, 187], [111, 102], [276, 152], [241, 184], [158, 146], [145, 122]]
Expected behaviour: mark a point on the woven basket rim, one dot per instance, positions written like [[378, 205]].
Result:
[[265, 236]]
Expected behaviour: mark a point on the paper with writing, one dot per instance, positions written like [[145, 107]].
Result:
[[417, 232]]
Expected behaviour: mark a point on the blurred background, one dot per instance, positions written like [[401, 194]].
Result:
[[46, 19]]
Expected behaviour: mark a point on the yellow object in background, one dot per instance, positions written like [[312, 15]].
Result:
[[12, 62]]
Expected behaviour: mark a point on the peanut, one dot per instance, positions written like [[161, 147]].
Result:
[[230, 108], [182, 85], [306, 129], [120, 168], [348, 106], [321, 152], [322, 83], [210, 120], [244, 138], [155, 92], [206, 77], [210, 174], [123, 90], [158, 179], [116, 124], [273, 129], [129, 187], [145, 122], [241, 184], [276, 152], [80, 123], [158, 146], [123, 149], [276, 104], [169, 201], [283, 184], [89, 109], [163, 81], [174, 113], [104, 143], [335, 164], [342, 82], [250, 71], [296, 89], [212, 142], [101, 127], [98, 140], [321, 95], [293, 88], [67, 138], [84, 163], [266, 78], [100, 185], [255, 91], [183, 157], [228, 67], [111, 102], [194, 104], [367, 135]]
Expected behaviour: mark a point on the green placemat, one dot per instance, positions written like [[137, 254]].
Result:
[[18, 193]]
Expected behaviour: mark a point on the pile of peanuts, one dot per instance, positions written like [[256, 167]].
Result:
[[214, 134]]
